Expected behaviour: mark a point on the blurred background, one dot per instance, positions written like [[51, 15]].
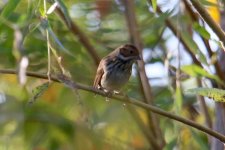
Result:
[[179, 49]]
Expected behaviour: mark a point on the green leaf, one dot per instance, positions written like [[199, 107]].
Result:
[[200, 139], [220, 44], [38, 91], [193, 46], [179, 100], [216, 94], [196, 71], [9, 8], [58, 41], [209, 3], [65, 11], [201, 30], [154, 5]]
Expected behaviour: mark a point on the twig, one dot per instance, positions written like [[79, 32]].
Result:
[[195, 17], [188, 49], [209, 20], [80, 35], [124, 99], [48, 43]]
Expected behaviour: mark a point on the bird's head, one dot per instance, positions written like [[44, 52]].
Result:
[[128, 52]]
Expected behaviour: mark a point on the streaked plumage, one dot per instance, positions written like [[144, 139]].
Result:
[[114, 70]]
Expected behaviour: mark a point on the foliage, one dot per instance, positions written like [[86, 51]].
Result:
[[215, 94], [61, 118]]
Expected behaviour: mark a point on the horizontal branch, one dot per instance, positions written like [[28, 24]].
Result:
[[124, 99]]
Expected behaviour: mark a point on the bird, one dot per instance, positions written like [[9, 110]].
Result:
[[114, 70]]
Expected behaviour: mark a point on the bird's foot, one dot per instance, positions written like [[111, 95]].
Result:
[[108, 94], [116, 92]]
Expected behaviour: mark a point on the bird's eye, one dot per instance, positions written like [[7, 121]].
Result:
[[131, 52]]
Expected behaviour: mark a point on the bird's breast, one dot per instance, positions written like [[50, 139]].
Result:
[[116, 75]]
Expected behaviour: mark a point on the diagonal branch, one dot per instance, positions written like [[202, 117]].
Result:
[[201, 99], [195, 17], [80, 35], [124, 99], [136, 39], [209, 20], [176, 32]]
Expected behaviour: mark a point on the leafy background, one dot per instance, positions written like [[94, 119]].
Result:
[[61, 118]]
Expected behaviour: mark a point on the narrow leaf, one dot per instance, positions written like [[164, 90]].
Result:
[[52, 8], [64, 10], [216, 94], [9, 8], [209, 3], [178, 99], [201, 30], [154, 5], [193, 47], [38, 91], [58, 41], [196, 71]]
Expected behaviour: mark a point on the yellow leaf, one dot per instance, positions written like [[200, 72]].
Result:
[[214, 11]]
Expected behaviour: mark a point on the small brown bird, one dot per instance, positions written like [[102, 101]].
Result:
[[114, 70]]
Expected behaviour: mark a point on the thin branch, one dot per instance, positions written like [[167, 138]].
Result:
[[201, 99], [209, 20], [186, 46], [195, 17], [48, 43], [123, 99], [188, 49], [80, 35], [176, 33], [136, 39]]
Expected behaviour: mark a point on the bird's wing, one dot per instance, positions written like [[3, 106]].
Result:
[[98, 76]]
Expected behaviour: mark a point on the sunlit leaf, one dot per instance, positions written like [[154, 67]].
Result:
[[216, 94], [201, 30], [154, 5], [209, 3], [196, 71], [213, 9], [193, 46], [221, 45], [178, 99], [52, 8]]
